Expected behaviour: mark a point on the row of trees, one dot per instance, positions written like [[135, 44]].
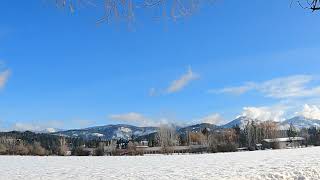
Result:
[[28, 143], [23, 149], [223, 139], [167, 138], [250, 137], [312, 135]]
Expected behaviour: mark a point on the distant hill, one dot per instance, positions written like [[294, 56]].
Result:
[[301, 122], [298, 121], [49, 130], [198, 128], [121, 131], [125, 131]]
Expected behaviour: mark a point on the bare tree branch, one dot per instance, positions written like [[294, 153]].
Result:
[[313, 5], [126, 9]]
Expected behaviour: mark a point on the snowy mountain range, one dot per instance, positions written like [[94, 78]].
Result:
[[298, 122], [121, 131], [197, 127], [240, 121], [301, 122], [124, 131]]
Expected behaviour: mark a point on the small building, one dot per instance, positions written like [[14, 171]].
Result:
[[149, 150], [282, 143], [144, 143], [172, 149]]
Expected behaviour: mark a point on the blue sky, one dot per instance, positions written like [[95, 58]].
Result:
[[62, 70]]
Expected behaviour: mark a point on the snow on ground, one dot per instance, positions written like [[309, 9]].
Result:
[[272, 164]]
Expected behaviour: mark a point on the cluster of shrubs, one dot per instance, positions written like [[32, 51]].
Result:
[[29, 143], [226, 148], [23, 149]]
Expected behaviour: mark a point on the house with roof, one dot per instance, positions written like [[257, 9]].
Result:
[[283, 143]]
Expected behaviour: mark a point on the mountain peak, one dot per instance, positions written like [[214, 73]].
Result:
[[240, 121], [301, 122]]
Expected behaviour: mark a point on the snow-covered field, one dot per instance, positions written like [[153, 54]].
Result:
[[273, 164]]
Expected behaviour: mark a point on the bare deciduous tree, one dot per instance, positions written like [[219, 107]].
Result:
[[167, 137], [111, 148], [128, 9], [63, 146], [132, 148], [313, 5], [38, 149], [256, 131], [197, 138], [3, 149]]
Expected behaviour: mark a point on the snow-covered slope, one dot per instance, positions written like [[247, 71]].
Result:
[[124, 131], [298, 122], [49, 130], [240, 121], [121, 131], [197, 128], [301, 122]]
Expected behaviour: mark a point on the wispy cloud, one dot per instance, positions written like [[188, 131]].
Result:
[[279, 88], [292, 86], [133, 118], [4, 76], [82, 123], [236, 90], [141, 120], [182, 82], [176, 85], [152, 92], [37, 126], [19, 126], [213, 119]]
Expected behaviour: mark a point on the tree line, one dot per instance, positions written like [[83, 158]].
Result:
[[167, 139], [249, 137]]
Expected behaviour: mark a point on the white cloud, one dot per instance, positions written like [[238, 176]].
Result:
[[263, 113], [37, 126], [48, 126], [183, 81], [50, 130], [4, 76], [213, 119], [292, 86], [237, 90], [134, 118], [310, 111], [152, 92], [279, 88], [141, 120], [26, 127]]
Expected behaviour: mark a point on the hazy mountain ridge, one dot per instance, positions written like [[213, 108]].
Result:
[[240, 121], [301, 122], [197, 127], [120, 131], [125, 131]]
